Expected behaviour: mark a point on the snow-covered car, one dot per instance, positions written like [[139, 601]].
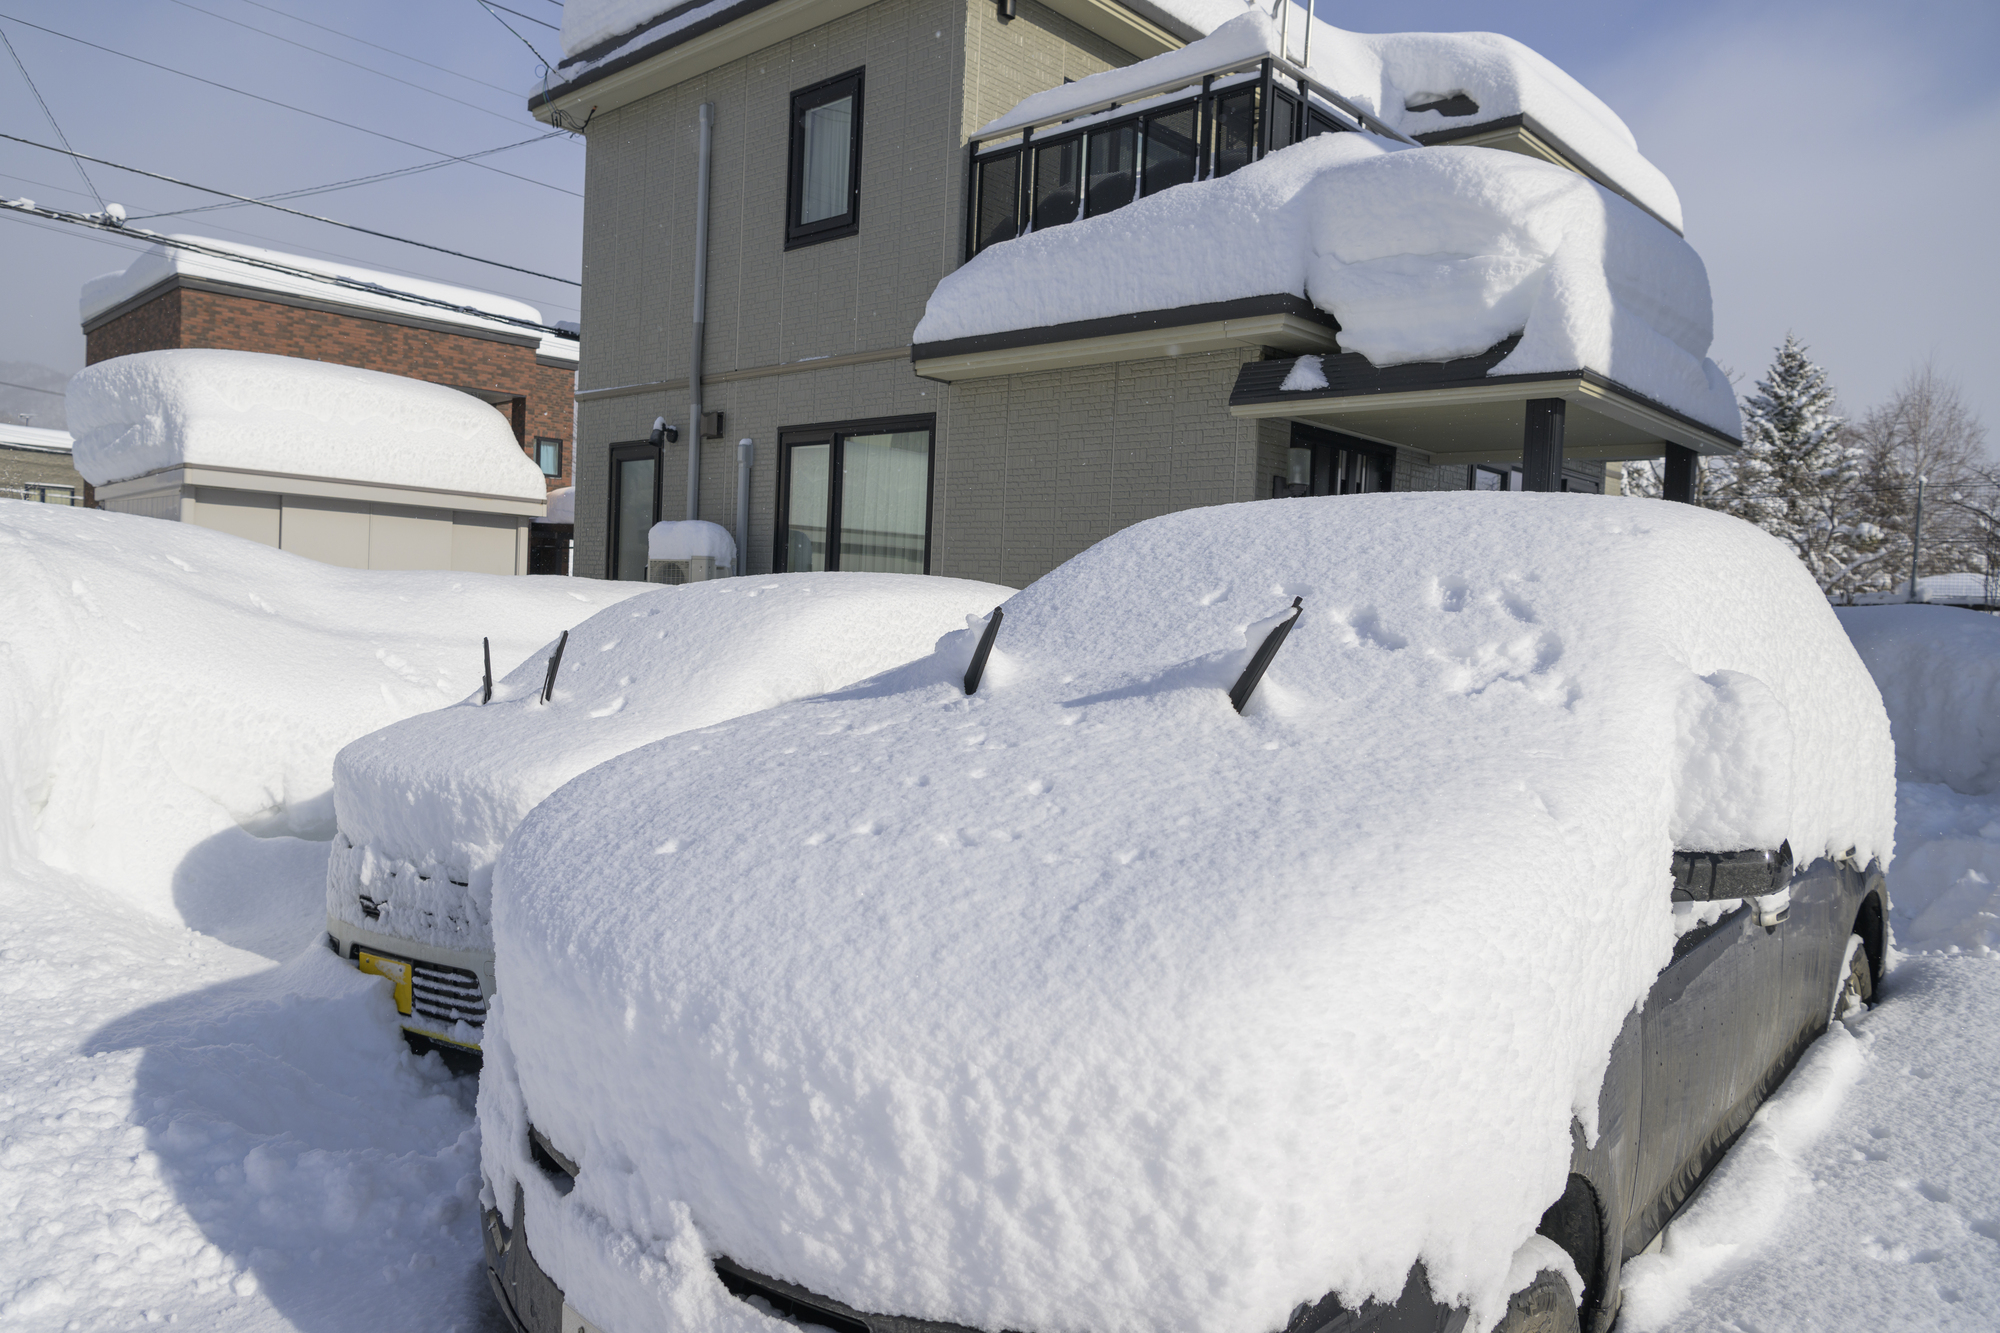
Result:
[[423, 807], [1416, 992]]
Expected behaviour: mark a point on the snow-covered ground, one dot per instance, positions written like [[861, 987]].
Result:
[[219, 1127]]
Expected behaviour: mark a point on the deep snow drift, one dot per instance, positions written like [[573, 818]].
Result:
[[1087, 1003], [168, 694], [424, 806], [136, 414]]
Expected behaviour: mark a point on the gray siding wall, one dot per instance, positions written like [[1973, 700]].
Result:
[[768, 306], [1037, 467]]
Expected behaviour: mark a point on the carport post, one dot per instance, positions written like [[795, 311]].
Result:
[[1542, 445], [1679, 480]]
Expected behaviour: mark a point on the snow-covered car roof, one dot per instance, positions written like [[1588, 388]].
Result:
[[137, 414], [424, 806], [1087, 1002]]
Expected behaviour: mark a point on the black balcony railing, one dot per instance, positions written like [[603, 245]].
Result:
[[1071, 171]]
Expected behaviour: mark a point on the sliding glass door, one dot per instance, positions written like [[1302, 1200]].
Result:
[[856, 497]]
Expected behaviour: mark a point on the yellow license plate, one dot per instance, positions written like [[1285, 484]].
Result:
[[397, 970]]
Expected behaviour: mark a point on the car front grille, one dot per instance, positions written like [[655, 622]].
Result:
[[446, 995]]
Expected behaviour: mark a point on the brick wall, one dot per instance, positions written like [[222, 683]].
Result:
[[184, 317]]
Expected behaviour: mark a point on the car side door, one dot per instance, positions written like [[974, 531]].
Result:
[[1709, 1034]]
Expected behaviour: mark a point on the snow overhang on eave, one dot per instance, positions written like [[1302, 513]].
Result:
[[1456, 413], [681, 53], [179, 475], [1286, 323], [1527, 136]]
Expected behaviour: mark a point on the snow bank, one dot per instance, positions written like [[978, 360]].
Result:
[[424, 806], [162, 262], [1385, 74], [164, 686], [562, 506], [1421, 254], [1938, 668], [1085, 1002], [688, 539], [137, 414]]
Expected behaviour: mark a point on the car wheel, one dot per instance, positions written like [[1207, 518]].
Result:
[[1855, 991], [1543, 1306]]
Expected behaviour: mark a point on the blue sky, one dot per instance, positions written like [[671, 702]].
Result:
[[1836, 161]]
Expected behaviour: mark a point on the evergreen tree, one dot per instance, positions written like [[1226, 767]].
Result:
[[1798, 472]]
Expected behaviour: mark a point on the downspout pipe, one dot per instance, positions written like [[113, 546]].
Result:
[[700, 308], [746, 453]]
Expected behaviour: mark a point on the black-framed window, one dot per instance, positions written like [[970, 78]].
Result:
[[548, 456], [1325, 462], [855, 495], [823, 193], [635, 508]]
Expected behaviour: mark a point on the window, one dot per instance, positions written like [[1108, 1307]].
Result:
[[1321, 462], [823, 198], [635, 508], [855, 496], [548, 456]]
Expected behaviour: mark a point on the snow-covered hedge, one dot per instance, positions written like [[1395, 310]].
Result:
[[1085, 1002], [162, 684], [424, 806]]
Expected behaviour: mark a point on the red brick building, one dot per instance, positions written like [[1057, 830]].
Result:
[[176, 299]]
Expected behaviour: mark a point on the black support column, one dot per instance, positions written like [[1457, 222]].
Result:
[[1542, 445], [1679, 482]]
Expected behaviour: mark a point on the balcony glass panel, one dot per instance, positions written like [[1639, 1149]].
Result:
[[1110, 159], [1171, 149], [1235, 130], [1056, 183], [999, 201], [1284, 120]]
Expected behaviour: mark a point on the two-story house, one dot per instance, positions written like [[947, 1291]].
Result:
[[980, 282]]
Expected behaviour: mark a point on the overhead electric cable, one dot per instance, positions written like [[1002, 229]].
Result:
[[379, 47], [492, 9], [30, 80], [355, 64], [12, 384], [297, 213], [31, 210], [353, 181], [519, 15], [272, 101]]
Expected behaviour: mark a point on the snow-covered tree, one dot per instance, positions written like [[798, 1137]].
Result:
[[1797, 476]]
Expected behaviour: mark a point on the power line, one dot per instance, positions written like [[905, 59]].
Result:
[[379, 47], [53, 393], [29, 78], [493, 9], [271, 101], [355, 180], [265, 203], [519, 15], [354, 64], [289, 270]]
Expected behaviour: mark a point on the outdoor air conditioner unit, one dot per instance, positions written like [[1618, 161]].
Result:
[[694, 569]]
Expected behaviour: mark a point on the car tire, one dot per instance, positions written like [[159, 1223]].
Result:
[[1545, 1305], [1854, 992]]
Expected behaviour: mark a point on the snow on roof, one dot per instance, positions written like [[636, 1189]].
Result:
[[437, 795], [35, 437], [1085, 1002], [161, 262], [1421, 254], [1386, 74], [137, 414], [167, 686]]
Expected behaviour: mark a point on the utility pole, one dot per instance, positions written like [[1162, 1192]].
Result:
[[1916, 538]]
